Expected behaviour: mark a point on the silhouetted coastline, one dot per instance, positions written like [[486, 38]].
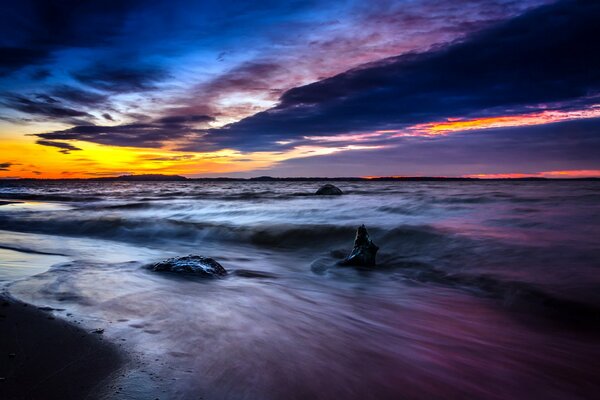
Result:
[[180, 178]]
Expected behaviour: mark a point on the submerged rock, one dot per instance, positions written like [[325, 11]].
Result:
[[364, 251], [192, 264], [329, 190]]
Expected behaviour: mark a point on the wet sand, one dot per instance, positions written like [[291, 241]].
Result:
[[46, 358]]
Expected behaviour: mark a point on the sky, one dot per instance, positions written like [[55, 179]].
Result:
[[481, 88]]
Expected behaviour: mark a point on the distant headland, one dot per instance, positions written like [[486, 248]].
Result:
[[179, 178]]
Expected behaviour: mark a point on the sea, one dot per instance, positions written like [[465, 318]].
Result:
[[482, 289]]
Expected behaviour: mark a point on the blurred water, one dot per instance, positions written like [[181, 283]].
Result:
[[16, 265], [483, 290]]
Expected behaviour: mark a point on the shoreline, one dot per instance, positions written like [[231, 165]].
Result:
[[43, 357]]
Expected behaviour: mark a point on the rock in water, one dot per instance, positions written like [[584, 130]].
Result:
[[329, 190], [364, 251], [203, 266]]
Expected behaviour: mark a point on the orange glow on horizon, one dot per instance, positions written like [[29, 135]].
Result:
[[379, 177], [30, 160], [581, 173], [26, 159]]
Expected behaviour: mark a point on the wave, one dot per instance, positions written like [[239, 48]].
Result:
[[5, 203], [165, 229], [125, 206], [278, 235], [29, 251], [48, 197], [418, 253], [516, 296], [419, 199]]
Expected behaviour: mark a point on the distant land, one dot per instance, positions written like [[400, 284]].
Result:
[[179, 178]]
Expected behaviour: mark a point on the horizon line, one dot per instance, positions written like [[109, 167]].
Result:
[[164, 177]]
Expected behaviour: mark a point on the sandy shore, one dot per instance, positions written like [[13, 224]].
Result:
[[46, 358]]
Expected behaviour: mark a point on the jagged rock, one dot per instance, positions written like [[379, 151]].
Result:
[[329, 190], [192, 264], [364, 251]]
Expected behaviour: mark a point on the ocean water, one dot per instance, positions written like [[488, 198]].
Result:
[[486, 289]]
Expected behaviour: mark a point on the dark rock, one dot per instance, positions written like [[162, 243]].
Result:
[[329, 190], [192, 264], [98, 331], [364, 251]]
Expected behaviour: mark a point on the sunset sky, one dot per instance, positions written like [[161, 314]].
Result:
[[485, 88]]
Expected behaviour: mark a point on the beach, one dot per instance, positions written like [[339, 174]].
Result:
[[44, 357], [482, 290]]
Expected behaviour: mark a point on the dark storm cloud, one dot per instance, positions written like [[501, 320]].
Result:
[[42, 105], [78, 96], [548, 56], [151, 134], [66, 148], [183, 119], [138, 135], [63, 103], [571, 145], [40, 74], [121, 79], [12, 58], [32, 30]]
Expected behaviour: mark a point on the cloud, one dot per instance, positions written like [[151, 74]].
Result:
[[150, 135], [239, 91], [33, 30], [63, 103], [546, 58], [119, 79], [78, 96], [12, 58], [251, 76], [185, 119], [5, 166], [42, 105], [570, 145], [135, 46], [66, 148], [183, 157], [40, 74], [311, 41]]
